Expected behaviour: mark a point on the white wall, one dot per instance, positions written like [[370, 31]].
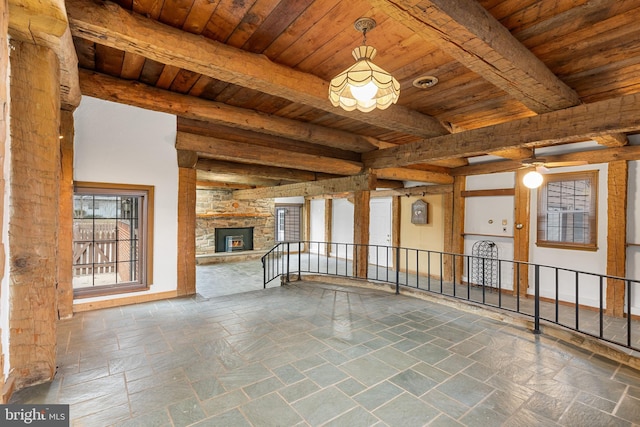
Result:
[[588, 261], [116, 143], [490, 218], [342, 227], [317, 224]]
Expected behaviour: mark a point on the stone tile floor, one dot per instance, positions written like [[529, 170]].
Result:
[[311, 354]]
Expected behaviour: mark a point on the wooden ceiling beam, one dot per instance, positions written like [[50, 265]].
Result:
[[604, 155], [233, 151], [361, 182], [415, 191], [38, 16], [143, 96], [221, 185], [579, 123], [108, 24], [268, 172], [406, 174], [237, 179], [471, 35]]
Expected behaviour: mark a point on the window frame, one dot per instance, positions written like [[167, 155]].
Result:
[[146, 221], [285, 207], [592, 219]]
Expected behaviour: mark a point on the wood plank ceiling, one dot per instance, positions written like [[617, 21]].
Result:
[[248, 80]]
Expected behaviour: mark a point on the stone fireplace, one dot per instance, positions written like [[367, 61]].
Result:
[[216, 210]]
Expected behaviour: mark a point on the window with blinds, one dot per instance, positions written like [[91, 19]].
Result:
[[567, 211], [288, 223]]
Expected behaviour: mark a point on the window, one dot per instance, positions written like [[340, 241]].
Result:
[[288, 220], [111, 238], [567, 211]]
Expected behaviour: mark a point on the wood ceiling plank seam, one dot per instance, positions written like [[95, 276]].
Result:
[[86, 52], [199, 86], [184, 81], [564, 24], [109, 60], [250, 22], [503, 9], [151, 71], [343, 15], [199, 15], [281, 17], [175, 12], [536, 12], [169, 73], [226, 18], [298, 27], [132, 65]]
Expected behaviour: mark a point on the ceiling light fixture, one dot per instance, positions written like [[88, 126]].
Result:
[[364, 86], [532, 179]]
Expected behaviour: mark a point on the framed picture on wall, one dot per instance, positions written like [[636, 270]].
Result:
[[419, 212]]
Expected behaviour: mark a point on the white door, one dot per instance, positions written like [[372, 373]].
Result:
[[380, 232]]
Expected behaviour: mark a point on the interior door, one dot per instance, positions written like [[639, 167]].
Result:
[[380, 231]]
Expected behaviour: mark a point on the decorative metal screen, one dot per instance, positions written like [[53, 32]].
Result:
[[484, 264]]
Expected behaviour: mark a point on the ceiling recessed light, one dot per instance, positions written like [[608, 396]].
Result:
[[424, 82]]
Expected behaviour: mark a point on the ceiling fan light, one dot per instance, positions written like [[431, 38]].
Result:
[[532, 179]]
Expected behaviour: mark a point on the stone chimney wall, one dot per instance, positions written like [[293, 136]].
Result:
[[217, 209]]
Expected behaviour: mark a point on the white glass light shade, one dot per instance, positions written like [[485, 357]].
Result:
[[532, 180], [364, 86]]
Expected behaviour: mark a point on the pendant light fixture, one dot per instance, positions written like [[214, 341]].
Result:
[[532, 179], [364, 86]]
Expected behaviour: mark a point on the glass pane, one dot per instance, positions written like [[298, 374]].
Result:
[[82, 206]]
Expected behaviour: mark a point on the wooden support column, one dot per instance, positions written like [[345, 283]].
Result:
[[522, 227], [618, 177], [307, 220], [186, 231], [65, 212], [361, 216], [4, 120], [454, 230], [328, 218], [33, 216]]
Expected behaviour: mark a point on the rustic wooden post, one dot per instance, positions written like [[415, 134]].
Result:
[[454, 229], [328, 218], [4, 116], [186, 222], [65, 232], [33, 216], [522, 224], [361, 217], [618, 177]]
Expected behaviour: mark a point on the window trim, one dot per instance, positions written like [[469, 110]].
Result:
[[592, 176], [147, 220]]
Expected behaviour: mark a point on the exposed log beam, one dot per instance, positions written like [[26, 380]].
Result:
[[222, 185], [38, 16], [110, 25], [240, 135], [515, 153], [470, 34], [578, 123], [237, 179], [316, 188], [604, 155], [219, 149], [267, 172], [406, 174], [414, 191], [143, 96], [187, 159]]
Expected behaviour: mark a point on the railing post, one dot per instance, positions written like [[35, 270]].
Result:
[[397, 270], [536, 328], [264, 275], [288, 258], [299, 260]]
